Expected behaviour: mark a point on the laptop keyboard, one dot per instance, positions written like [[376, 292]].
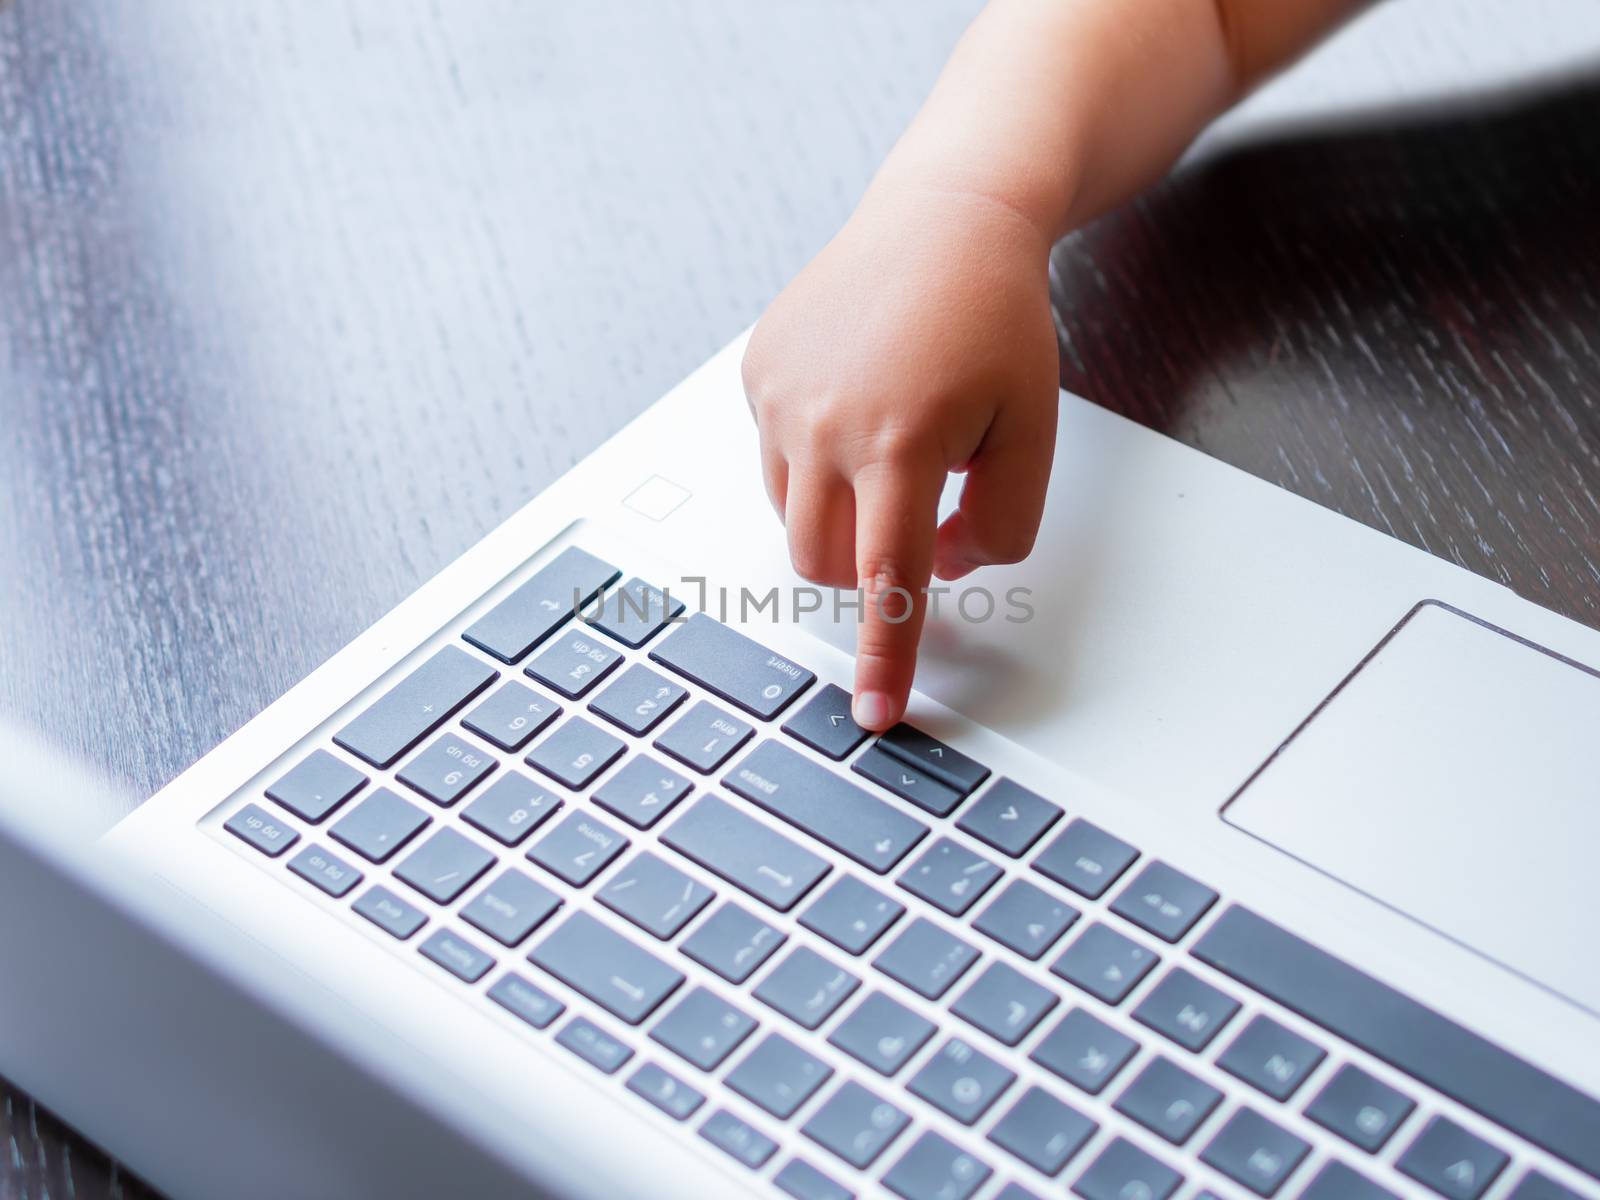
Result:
[[671, 850]]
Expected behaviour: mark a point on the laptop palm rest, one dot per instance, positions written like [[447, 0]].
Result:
[[1454, 776]]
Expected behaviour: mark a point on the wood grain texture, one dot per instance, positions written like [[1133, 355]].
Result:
[[300, 298]]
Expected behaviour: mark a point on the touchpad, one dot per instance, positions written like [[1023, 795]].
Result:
[[1455, 776]]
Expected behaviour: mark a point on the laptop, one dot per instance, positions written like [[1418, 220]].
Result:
[[1228, 848]]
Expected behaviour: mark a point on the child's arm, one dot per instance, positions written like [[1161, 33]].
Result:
[[921, 341]]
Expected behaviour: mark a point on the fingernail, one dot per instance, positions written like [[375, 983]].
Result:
[[871, 710]]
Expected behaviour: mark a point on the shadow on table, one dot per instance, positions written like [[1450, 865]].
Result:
[[1424, 255]]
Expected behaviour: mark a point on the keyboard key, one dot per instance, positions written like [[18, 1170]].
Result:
[[578, 849], [943, 762], [626, 980], [573, 663], [326, 871], [830, 808], [732, 943], [539, 607], [933, 1169], [639, 700], [526, 1001], [960, 1081], [642, 792], [882, 1033], [1186, 1009], [851, 915], [666, 1091], [1338, 1182], [511, 715], [1167, 1100], [511, 808], [316, 786], [1125, 1172], [444, 866], [703, 1029], [658, 898], [779, 1076], [379, 825], [1085, 1051], [1270, 1058], [1449, 1160], [1009, 817], [511, 907], [390, 913], [734, 1137], [1004, 1003], [855, 1125], [1026, 919], [446, 770], [1163, 901], [259, 828], [804, 1182], [705, 737], [926, 959], [594, 1045], [1042, 1131], [1474, 1072], [806, 988], [950, 877], [1537, 1186], [456, 955], [576, 752], [634, 612], [748, 854], [415, 707], [1015, 1191], [1085, 858], [1251, 1150], [824, 723], [1104, 963], [731, 666], [1362, 1110], [907, 782]]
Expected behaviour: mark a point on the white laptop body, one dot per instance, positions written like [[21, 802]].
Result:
[[1431, 826]]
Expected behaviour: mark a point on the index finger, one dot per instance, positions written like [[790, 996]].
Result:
[[896, 517]]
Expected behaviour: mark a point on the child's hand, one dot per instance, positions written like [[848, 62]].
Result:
[[919, 342]]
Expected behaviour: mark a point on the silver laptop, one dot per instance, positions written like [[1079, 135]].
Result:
[[1228, 848]]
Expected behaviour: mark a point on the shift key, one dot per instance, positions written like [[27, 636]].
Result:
[[827, 806], [737, 669], [415, 706]]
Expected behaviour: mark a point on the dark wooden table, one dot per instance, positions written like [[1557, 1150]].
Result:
[[298, 299]]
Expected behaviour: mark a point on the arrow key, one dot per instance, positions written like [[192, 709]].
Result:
[[1451, 1161], [944, 763], [824, 724], [908, 782], [1009, 817]]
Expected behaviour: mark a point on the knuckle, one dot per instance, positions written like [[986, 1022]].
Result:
[[1010, 543]]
